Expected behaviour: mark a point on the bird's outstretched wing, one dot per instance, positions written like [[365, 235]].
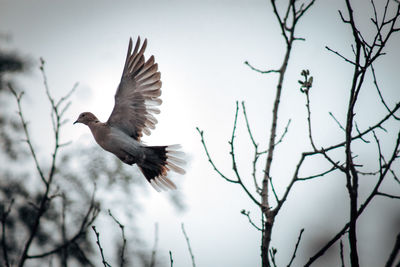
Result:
[[137, 96]]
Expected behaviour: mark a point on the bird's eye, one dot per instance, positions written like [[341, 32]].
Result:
[[83, 115]]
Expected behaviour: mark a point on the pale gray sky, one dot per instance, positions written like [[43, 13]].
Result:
[[200, 47]]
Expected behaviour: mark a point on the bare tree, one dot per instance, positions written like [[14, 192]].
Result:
[[366, 51], [38, 212]]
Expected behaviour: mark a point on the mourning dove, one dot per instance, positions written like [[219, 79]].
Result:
[[136, 101]]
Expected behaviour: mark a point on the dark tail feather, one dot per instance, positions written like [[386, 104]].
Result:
[[158, 161]]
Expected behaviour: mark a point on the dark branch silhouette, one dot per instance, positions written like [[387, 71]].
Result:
[[105, 263], [340, 156]]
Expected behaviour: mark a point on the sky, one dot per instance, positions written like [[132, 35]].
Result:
[[200, 47]]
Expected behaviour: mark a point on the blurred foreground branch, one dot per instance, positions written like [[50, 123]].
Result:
[[45, 203]]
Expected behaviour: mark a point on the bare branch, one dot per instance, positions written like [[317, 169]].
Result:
[[380, 156], [234, 165], [88, 219], [341, 253], [272, 253], [362, 206], [220, 173], [255, 145], [210, 160], [358, 136], [379, 91], [327, 246], [247, 214], [285, 131], [282, 23], [358, 131], [4, 216], [317, 175], [260, 71], [289, 187], [303, 9], [273, 190], [25, 127], [343, 57], [45, 198], [188, 245], [342, 17], [394, 176], [338, 123], [387, 195], [170, 259], [248, 125], [394, 252], [307, 84], [68, 95], [296, 247], [105, 263], [122, 227]]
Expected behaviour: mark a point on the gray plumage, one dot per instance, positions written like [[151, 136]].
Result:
[[136, 101]]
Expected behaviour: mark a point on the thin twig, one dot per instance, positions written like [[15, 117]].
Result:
[[379, 91], [122, 227], [247, 214], [310, 135], [188, 245], [260, 71], [336, 120], [170, 259], [18, 97], [105, 263], [296, 247], [248, 125], [68, 95], [234, 164], [358, 131], [273, 190], [341, 253], [210, 160], [255, 145], [343, 57], [371, 128], [317, 175], [272, 253], [387, 195], [285, 131], [231, 143]]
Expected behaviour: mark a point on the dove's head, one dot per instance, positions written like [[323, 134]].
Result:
[[86, 118]]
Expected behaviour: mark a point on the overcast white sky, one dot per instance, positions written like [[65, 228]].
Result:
[[200, 47]]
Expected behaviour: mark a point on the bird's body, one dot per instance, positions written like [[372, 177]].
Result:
[[117, 142], [135, 100]]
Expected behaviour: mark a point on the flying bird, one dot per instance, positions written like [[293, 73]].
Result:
[[136, 100]]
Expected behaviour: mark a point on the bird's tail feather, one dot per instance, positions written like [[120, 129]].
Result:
[[159, 160]]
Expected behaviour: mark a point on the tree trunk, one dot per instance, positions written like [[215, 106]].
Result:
[[266, 239]]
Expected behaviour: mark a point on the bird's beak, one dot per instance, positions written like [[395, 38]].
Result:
[[76, 122]]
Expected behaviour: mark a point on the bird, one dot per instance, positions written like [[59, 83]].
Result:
[[136, 102]]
